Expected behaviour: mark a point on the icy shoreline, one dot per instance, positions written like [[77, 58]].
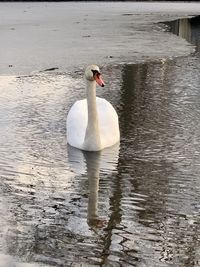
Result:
[[68, 36], [43, 204]]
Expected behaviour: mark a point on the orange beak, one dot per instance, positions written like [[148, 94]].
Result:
[[99, 79]]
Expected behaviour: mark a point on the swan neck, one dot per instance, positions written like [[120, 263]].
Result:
[[92, 137], [91, 97]]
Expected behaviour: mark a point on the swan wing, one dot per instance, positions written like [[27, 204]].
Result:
[[76, 123], [108, 123]]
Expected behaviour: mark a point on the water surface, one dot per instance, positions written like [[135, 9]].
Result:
[[136, 204]]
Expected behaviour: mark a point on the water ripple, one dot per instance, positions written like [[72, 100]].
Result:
[[136, 204]]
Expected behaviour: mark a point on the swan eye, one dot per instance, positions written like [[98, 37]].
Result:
[[96, 72]]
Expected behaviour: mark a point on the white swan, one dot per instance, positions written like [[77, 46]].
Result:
[[92, 123]]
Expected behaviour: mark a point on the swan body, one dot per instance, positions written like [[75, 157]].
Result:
[[92, 123]]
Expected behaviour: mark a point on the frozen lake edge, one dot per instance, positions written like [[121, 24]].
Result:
[[69, 36]]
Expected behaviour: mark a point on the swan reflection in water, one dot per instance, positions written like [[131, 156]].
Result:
[[91, 163]]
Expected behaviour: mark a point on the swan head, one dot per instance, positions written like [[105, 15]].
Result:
[[92, 73]]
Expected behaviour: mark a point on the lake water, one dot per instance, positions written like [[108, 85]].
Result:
[[135, 204]]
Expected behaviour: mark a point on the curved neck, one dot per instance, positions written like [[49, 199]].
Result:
[[92, 137]]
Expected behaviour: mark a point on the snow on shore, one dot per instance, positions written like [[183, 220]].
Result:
[[36, 36]]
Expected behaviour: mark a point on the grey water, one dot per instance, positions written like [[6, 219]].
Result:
[[187, 28], [135, 204]]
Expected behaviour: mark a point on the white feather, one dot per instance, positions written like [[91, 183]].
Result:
[[77, 120], [92, 123]]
